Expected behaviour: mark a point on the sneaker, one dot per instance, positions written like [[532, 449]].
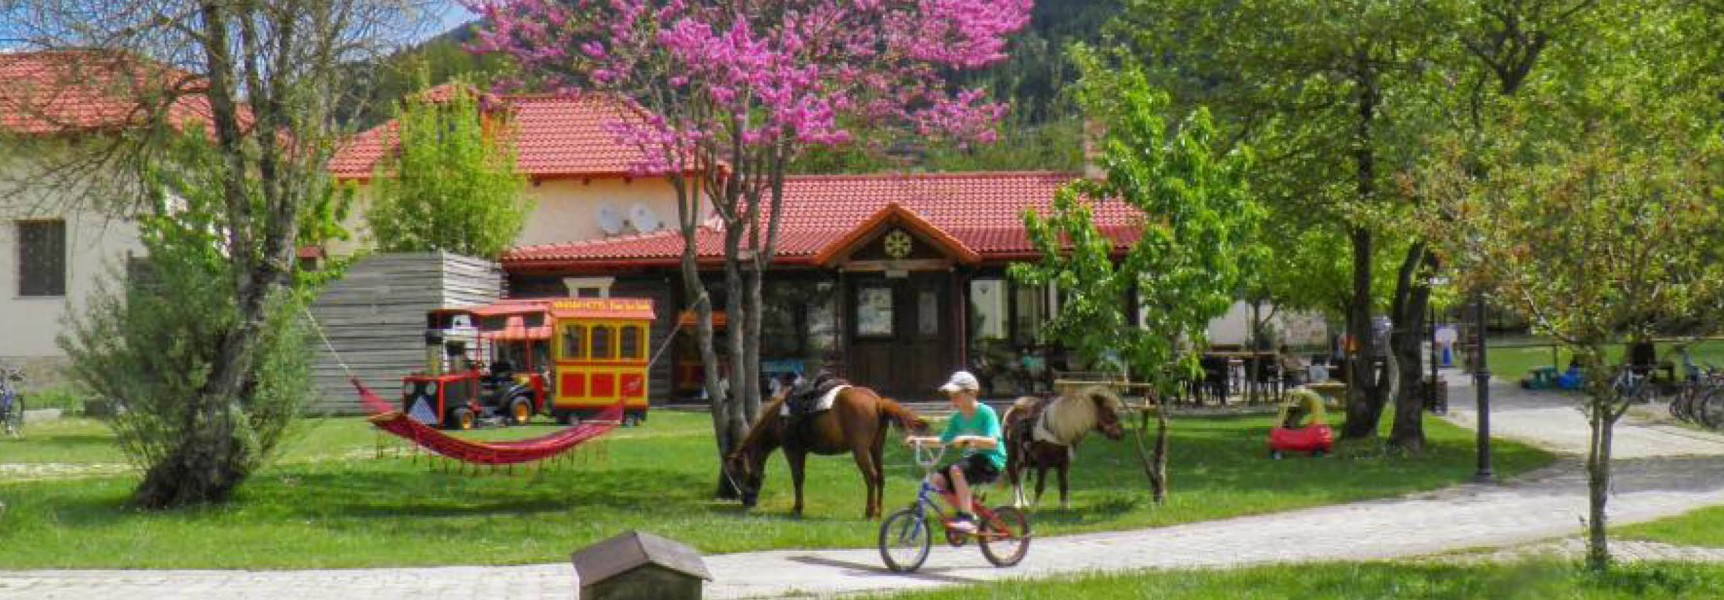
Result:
[[963, 524]]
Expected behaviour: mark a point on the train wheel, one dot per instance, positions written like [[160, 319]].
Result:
[[463, 419], [520, 411]]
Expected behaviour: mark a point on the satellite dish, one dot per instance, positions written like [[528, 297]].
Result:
[[609, 220], [644, 219]]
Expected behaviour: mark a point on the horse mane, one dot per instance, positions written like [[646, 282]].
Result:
[[757, 430], [1070, 417]]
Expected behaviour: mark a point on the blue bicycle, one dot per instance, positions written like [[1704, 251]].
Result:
[[11, 403], [1003, 533]]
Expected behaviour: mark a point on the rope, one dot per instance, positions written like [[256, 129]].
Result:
[[318, 327], [675, 329]]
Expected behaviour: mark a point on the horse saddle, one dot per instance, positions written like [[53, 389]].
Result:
[[813, 397]]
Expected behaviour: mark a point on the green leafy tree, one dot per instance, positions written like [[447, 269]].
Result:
[[1592, 204], [1198, 220], [1332, 95], [452, 184], [151, 344]]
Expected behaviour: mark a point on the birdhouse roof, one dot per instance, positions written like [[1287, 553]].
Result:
[[632, 550]]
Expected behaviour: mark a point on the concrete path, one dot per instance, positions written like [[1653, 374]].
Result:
[[1671, 472]]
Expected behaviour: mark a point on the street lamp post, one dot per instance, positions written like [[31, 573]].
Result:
[[1482, 379]]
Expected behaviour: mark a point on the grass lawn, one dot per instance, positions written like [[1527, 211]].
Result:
[[1513, 363], [1702, 527], [1366, 581], [310, 511]]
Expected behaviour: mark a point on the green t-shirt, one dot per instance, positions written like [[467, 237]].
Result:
[[984, 423]]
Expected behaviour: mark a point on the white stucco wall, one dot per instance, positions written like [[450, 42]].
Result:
[[563, 210], [1297, 328], [97, 246]]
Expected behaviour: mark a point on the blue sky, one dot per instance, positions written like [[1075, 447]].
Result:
[[453, 14], [450, 14]]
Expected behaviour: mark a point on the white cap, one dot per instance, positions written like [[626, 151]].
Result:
[[961, 381]]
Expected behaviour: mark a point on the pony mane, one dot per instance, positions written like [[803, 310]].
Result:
[[1070, 417]]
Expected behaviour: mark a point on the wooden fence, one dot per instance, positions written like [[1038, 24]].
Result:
[[375, 318]]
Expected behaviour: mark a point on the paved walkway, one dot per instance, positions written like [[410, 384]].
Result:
[[1670, 472]]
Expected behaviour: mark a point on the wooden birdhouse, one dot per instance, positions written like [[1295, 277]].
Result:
[[639, 566]]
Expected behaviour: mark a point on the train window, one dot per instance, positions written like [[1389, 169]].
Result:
[[629, 342], [601, 342], [574, 341]]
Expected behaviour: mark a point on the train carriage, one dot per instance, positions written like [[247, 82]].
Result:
[[601, 352]]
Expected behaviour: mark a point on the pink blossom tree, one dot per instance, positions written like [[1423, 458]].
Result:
[[729, 92]]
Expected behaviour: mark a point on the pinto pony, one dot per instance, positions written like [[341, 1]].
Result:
[[856, 423], [1042, 433]]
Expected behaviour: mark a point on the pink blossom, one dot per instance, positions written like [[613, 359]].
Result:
[[785, 72]]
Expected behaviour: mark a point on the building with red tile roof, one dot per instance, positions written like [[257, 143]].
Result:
[[584, 183], [974, 217], [76, 92], [54, 249], [895, 279], [556, 137]]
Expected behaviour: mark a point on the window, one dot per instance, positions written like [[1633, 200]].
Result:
[[928, 313], [629, 342], [41, 258], [874, 311], [589, 287], [574, 342], [602, 342], [1029, 311], [988, 309]]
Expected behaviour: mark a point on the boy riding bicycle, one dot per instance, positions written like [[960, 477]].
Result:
[[975, 429]]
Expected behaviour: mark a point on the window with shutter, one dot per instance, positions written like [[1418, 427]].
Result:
[[41, 258]]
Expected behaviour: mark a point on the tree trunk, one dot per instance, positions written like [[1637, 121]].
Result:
[[752, 309], [1154, 461], [1364, 396], [1364, 405], [1598, 486], [736, 427], [688, 207], [1412, 296], [209, 463]]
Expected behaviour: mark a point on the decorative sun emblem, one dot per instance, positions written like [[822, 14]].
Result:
[[898, 244]]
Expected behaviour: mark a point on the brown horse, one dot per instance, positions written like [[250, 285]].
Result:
[[1042, 433], [856, 423]]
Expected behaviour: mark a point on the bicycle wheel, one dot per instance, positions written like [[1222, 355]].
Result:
[[1709, 410], [1005, 539], [1676, 404], [904, 540]]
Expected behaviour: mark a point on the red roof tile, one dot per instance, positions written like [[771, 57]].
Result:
[[556, 136], [980, 211], [72, 91]]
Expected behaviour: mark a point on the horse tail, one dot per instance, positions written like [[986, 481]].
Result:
[[904, 417]]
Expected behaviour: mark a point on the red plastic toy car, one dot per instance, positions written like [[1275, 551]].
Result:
[[1300, 427]]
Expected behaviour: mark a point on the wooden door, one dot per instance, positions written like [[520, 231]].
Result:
[[901, 333]]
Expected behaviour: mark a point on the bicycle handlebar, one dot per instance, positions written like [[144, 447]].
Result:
[[928, 454]]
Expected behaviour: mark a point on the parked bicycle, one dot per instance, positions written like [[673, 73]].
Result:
[[11, 403], [1003, 532], [1701, 400]]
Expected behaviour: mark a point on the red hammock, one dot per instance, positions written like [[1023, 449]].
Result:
[[485, 453]]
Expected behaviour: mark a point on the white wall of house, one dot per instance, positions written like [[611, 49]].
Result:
[[96, 244], [1296, 328], [564, 210]]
